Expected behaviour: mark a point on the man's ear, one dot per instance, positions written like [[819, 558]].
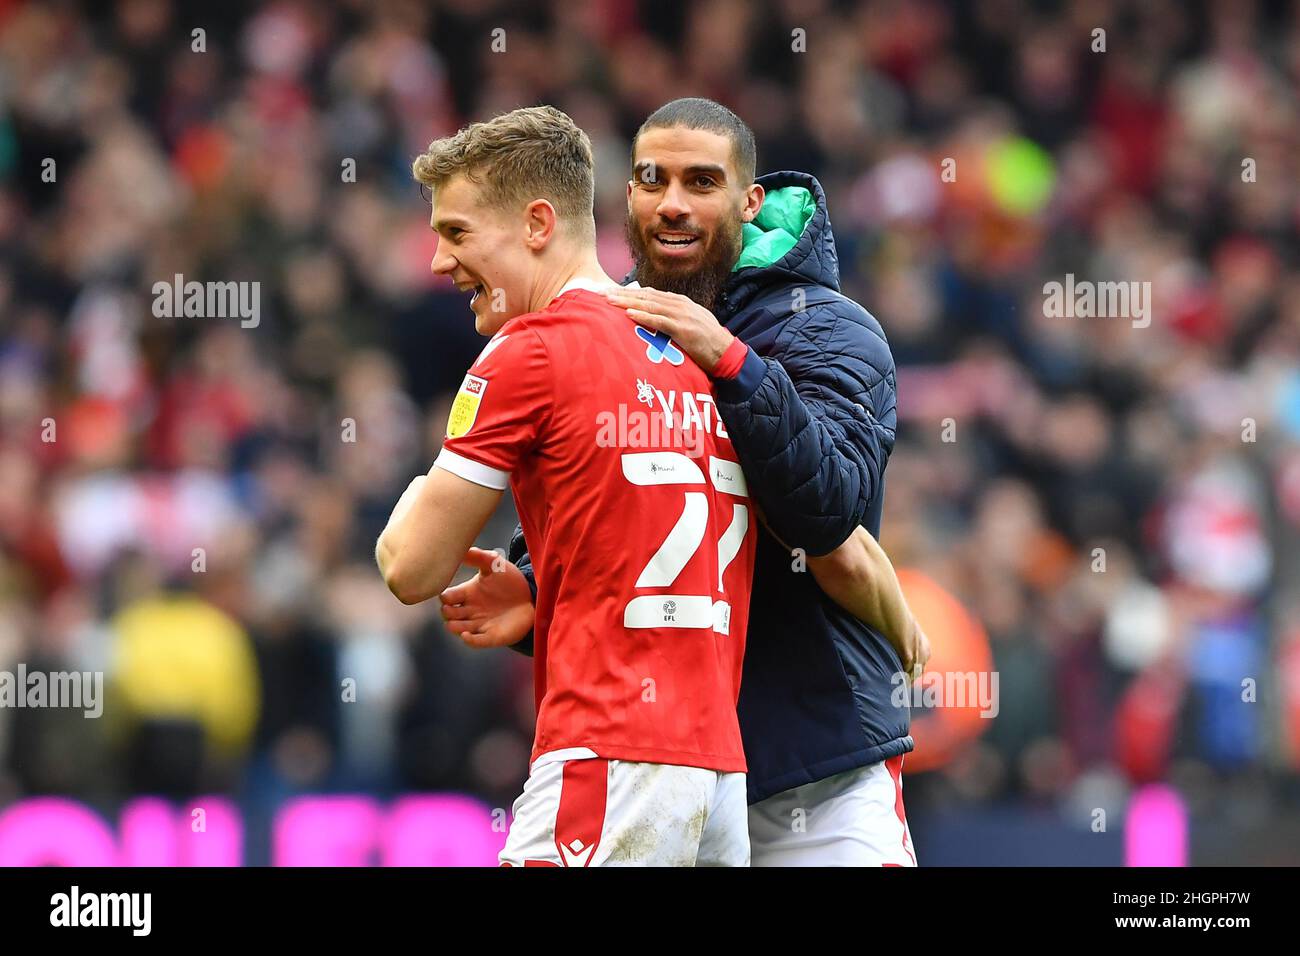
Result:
[[540, 222], [753, 202]]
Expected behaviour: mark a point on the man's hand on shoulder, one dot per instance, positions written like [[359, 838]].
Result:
[[692, 327]]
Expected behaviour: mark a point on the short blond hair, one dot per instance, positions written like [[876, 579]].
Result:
[[516, 157]]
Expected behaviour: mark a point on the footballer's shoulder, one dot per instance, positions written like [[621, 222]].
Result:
[[578, 302], [535, 321], [571, 309], [569, 323]]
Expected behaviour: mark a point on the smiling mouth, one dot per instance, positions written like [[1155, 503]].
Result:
[[676, 240], [468, 287]]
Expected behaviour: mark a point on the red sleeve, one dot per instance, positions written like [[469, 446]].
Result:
[[500, 410], [732, 359]]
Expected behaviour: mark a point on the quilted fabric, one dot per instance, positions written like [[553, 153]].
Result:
[[812, 415]]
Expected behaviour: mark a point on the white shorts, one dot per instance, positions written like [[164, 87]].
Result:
[[578, 809], [854, 818]]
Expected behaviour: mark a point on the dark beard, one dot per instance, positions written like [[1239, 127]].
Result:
[[703, 284]]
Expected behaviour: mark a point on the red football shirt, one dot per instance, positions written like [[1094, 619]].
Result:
[[638, 523]]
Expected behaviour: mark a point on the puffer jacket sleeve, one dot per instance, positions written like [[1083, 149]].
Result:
[[813, 423]]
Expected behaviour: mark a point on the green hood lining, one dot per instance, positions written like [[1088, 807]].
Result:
[[785, 214]]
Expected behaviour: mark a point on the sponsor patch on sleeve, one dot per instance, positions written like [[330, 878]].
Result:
[[464, 410]]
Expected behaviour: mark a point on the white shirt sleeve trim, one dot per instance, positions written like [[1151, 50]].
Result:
[[472, 470]]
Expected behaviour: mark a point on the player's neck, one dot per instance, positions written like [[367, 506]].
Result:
[[585, 269]]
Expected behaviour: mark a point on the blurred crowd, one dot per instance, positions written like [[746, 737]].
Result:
[[190, 505]]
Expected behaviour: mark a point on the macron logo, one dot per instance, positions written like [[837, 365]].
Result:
[[575, 854]]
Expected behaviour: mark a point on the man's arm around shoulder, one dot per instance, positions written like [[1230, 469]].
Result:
[[813, 423]]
